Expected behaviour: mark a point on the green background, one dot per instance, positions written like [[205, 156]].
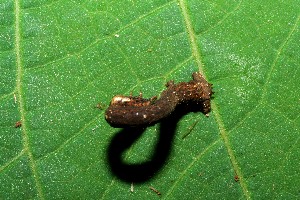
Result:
[[59, 59]]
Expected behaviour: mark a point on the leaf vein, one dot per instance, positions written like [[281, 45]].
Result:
[[17, 11], [224, 18], [182, 175], [223, 132], [192, 36], [3, 167], [279, 52]]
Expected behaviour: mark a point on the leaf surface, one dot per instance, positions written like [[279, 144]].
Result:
[[62, 61]]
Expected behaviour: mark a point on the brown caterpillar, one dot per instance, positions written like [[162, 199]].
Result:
[[126, 111]]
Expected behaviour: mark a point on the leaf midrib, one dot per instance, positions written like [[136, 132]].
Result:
[[197, 54]]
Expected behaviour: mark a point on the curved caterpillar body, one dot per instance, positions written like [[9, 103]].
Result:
[[126, 111]]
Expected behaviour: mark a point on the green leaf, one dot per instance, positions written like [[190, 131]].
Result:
[[59, 59]]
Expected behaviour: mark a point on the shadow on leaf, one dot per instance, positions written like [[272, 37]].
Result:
[[142, 172]]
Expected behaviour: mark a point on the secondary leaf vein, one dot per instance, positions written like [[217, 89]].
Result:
[[199, 156], [19, 70], [279, 52]]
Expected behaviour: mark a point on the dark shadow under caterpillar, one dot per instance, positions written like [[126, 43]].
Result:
[[128, 111]]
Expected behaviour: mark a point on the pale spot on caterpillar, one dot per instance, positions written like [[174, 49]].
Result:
[[119, 99]]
